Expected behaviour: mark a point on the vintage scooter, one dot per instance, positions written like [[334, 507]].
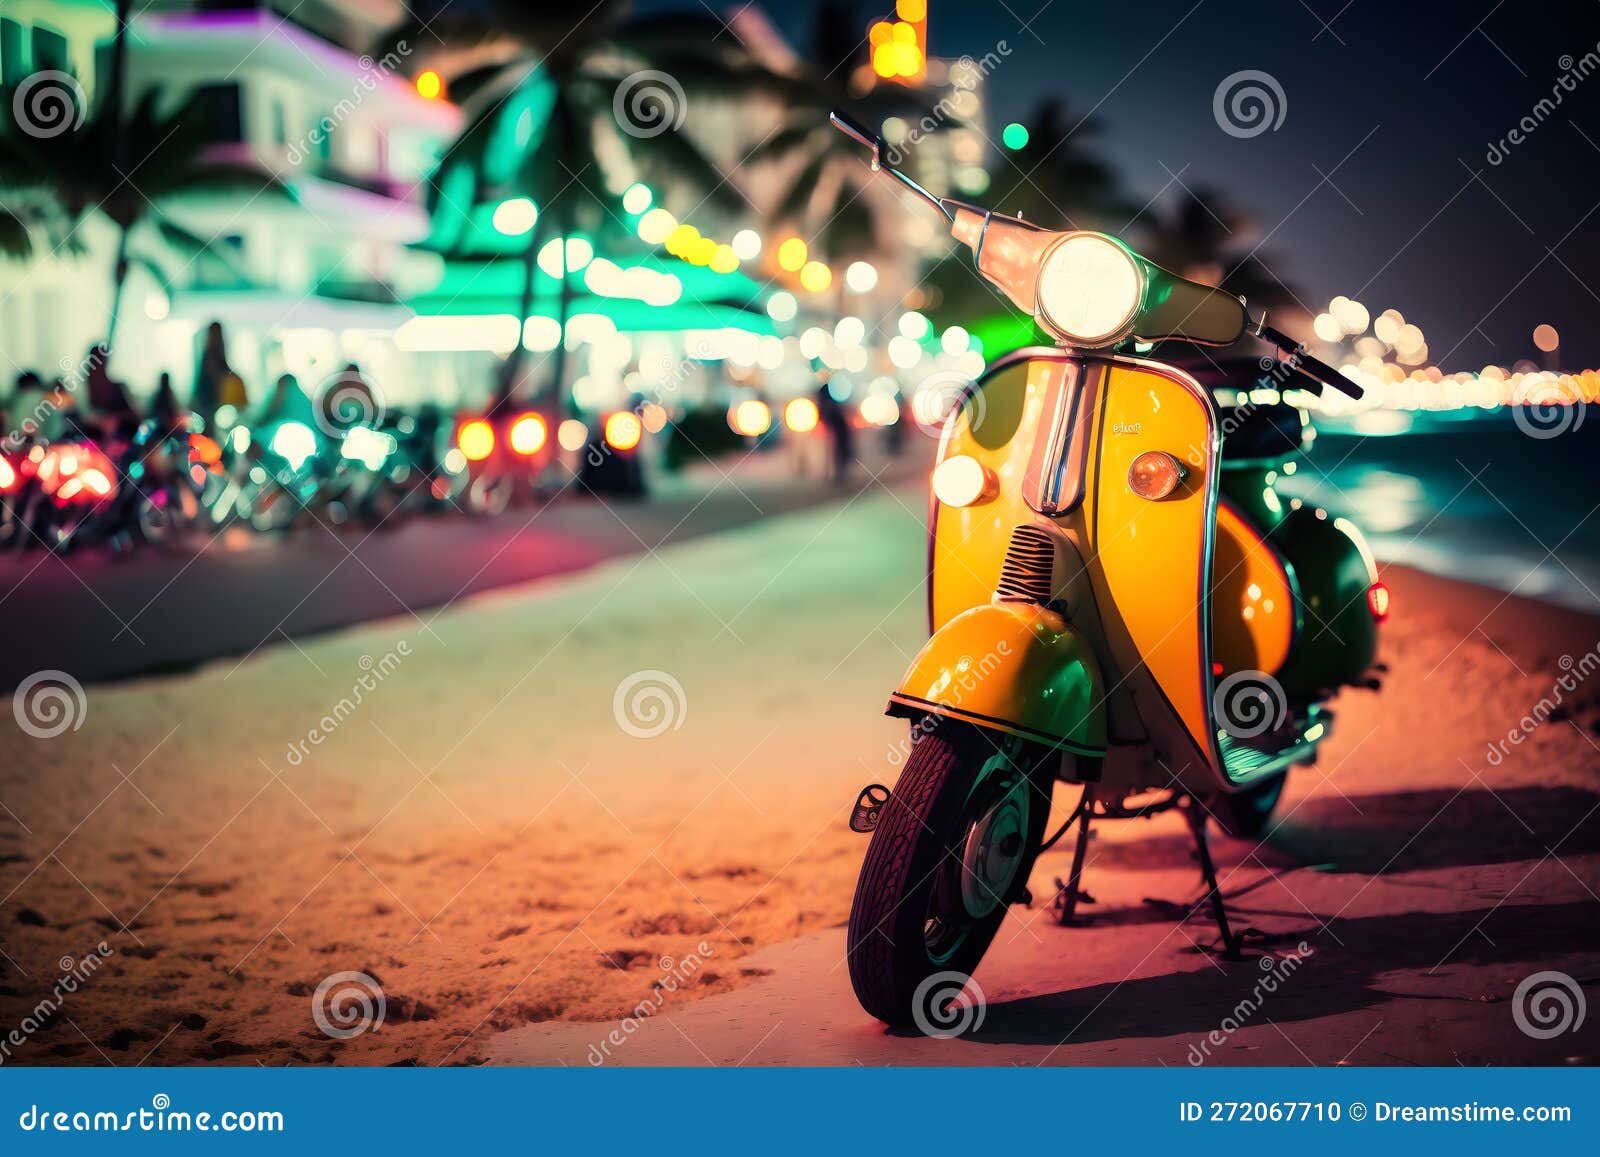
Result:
[[1103, 613]]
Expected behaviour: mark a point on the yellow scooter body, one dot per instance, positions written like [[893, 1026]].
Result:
[[1123, 654]]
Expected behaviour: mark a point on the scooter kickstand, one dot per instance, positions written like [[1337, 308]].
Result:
[[1070, 892], [1195, 813]]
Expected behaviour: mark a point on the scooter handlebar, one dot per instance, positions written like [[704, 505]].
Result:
[[858, 132], [1312, 367]]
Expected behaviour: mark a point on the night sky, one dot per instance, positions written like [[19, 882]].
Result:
[[1397, 103]]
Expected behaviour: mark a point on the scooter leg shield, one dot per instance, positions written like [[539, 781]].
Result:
[[1012, 667]]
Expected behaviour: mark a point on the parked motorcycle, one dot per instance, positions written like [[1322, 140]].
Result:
[[506, 454], [1117, 601]]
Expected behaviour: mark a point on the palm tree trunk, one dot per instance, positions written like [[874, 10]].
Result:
[[511, 371], [119, 279], [116, 97], [558, 368]]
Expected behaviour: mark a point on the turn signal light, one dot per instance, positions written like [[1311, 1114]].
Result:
[[1155, 474], [963, 481], [1378, 602]]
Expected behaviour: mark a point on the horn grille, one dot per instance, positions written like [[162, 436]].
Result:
[[1027, 575]]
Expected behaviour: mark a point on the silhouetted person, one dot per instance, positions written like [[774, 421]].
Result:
[[841, 437], [215, 383]]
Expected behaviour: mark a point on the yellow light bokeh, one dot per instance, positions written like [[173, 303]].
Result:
[[430, 85], [476, 440], [792, 255], [724, 259], [815, 277], [623, 430], [527, 434], [751, 417], [801, 415]]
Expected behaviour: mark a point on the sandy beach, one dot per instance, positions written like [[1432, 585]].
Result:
[[545, 804]]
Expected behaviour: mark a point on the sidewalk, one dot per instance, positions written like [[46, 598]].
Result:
[[99, 616]]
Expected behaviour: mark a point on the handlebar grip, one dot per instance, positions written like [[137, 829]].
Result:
[[1313, 367], [1320, 370], [855, 130]]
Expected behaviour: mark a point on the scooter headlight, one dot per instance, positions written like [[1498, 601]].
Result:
[[1089, 290]]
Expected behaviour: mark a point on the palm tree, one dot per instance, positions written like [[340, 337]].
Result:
[[545, 96], [1206, 239], [832, 198], [54, 184], [1057, 179]]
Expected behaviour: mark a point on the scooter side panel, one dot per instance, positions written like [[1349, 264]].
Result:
[[1151, 560], [1253, 598], [996, 425]]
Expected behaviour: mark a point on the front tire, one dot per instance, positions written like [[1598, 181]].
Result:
[[953, 848]]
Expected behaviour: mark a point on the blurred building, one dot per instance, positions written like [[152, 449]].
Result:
[[302, 282]]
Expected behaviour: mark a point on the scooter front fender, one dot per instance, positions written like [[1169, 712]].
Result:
[[1012, 667]]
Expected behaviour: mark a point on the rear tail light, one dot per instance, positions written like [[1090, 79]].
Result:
[[476, 440], [8, 476], [1378, 601], [528, 435]]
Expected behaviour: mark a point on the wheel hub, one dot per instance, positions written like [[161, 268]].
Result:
[[995, 846]]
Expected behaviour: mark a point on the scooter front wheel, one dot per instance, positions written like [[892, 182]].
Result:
[[952, 849]]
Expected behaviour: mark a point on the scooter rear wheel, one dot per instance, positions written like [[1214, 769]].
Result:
[[952, 849]]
